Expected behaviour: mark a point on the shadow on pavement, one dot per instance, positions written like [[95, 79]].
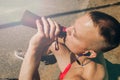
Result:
[[50, 59], [113, 70]]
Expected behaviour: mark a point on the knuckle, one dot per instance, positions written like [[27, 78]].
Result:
[[58, 30]]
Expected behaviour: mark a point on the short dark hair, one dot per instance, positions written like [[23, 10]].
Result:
[[109, 29]]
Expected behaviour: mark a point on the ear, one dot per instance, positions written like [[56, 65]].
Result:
[[92, 54]]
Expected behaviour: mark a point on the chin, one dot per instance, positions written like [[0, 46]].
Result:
[[70, 47], [73, 49]]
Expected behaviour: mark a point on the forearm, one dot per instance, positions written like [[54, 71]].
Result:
[[38, 45], [30, 64]]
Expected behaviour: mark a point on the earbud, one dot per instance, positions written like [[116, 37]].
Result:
[[87, 54]]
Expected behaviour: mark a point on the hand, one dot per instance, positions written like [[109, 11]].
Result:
[[48, 30]]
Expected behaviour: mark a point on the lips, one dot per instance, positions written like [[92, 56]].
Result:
[[62, 33], [63, 29]]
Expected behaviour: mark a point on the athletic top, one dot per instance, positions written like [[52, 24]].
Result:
[[62, 74]]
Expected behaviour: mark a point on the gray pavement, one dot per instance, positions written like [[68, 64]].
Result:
[[17, 37]]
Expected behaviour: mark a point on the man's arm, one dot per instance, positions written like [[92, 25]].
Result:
[[38, 45], [30, 65]]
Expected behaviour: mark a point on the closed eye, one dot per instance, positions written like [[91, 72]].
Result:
[[74, 32]]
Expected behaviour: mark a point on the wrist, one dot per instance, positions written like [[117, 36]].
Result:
[[32, 51], [35, 51]]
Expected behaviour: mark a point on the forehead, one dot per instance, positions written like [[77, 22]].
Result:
[[84, 23], [84, 26], [84, 18]]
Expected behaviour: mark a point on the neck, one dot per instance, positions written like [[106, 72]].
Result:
[[82, 60]]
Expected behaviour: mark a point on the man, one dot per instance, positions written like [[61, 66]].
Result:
[[80, 54]]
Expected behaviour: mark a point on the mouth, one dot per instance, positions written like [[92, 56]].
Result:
[[62, 33]]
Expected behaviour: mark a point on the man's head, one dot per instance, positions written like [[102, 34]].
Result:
[[94, 31], [109, 28]]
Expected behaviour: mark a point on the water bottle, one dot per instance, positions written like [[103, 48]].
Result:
[[29, 19]]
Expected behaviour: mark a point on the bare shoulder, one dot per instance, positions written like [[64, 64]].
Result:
[[94, 71], [100, 72]]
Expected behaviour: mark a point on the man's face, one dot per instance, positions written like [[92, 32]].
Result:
[[82, 35]]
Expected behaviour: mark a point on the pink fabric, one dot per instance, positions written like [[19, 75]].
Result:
[[62, 74]]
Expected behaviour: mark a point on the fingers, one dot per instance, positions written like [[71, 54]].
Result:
[[39, 27], [52, 28], [48, 27], [57, 29]]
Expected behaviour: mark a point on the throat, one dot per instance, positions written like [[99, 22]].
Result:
[[82, 61]]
